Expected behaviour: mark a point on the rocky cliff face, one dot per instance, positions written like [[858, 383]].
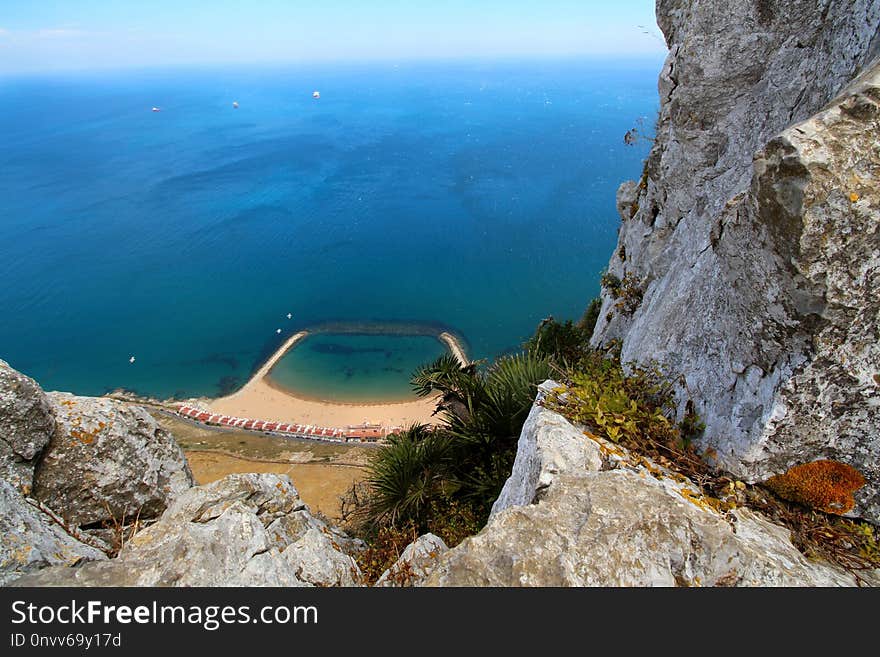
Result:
[[26, 424], [31, 540], [580, 511], [754, 233]]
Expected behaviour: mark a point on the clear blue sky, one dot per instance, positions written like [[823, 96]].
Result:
[[44, 35]]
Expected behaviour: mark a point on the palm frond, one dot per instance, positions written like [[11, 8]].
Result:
[[408, 472]]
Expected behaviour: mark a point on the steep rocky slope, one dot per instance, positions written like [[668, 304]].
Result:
[[74, 469], [752, 236], [243, 530], [580, 511], [31, 540], [575, 511]]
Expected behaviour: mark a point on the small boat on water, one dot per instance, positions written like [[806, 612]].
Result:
[[234, 104], [278, 330], [289, 315], [316, 94], [131, 360], [156, 109]]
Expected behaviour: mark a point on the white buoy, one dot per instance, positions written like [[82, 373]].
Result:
[[131, 360]]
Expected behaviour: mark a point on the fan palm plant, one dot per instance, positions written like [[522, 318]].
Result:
[[408, 473], [469, 456]]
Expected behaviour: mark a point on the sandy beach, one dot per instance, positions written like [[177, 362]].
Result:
[[259, 399]]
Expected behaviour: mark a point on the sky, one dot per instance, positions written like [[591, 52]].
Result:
[[53, 35]]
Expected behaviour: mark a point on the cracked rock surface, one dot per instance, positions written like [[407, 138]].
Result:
[[242, 530], [107, 459]]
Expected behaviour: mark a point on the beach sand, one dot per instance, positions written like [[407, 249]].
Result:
[[260, 400]]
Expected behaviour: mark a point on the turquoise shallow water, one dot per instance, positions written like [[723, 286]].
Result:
[[354, 367], [479, 196]]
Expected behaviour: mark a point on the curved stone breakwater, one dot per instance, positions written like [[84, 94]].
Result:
[[266, 367], [317, 419], [452, 342], [454, 345]]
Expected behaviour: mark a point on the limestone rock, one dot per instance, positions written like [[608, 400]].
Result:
[[107, 459], [26, 424], [620, 521], [31, 540], [755, 233], [290, 528], [548, 445], [415, 563], [622, 528], [627, 198], [317, 559], [233, 532]]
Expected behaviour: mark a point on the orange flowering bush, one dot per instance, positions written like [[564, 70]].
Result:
[[823, 485]]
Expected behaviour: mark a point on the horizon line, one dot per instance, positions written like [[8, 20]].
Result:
[[657, 56]]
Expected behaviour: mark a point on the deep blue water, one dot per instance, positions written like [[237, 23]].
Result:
[[479, 196]]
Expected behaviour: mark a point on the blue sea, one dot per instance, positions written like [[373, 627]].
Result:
[[476, 196]]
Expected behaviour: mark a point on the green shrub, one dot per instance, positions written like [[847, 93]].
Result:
[[407, 473], [384, 548], [591, 316], [610, 282], [561, 342], [614, 404], [461, 464], [635, 407], [451, 520], [627, 292], [691, 426]]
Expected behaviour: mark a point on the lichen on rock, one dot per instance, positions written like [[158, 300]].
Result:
[[107, 460], [32, 541]]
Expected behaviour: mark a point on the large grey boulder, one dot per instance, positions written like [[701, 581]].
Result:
[[755, 233], [622, 528], [31, 540], [317, 559], [618, 520], [415, 562], [242, 530], [548, 445], [26, 424], [108, 459]]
